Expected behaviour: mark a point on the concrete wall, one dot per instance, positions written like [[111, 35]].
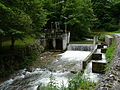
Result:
[[88, 58], [108, 39], [58, 43]]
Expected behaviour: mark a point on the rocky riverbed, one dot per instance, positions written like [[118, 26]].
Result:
[[44, 59], [111, 81]]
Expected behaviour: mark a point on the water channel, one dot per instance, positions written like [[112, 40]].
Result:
[[61, 68]]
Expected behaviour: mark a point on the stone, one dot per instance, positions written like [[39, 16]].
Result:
[[74, 72]]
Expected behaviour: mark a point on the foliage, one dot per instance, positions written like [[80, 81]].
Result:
[[118, 31], [19, 43], [13, 60], [80, 17], [110, 54], [22, 18], [77, 82], [101, 37], [51, 85], [107, 14]]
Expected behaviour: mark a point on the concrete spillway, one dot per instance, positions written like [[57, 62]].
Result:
[[81, 47]]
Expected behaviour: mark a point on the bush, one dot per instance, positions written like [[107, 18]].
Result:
[[101, 37]]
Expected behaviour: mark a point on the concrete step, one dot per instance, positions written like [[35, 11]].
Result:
[[103, 50], [98, 67], [97, 56]]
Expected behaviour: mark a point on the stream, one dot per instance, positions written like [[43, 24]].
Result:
[[61, 69]]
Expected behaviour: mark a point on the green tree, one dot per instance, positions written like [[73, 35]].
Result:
[[115, 13], [80, 17], [102, 11], [12, 21], [34, 8], [107, 13], [22, 18], [1, 36], [54, 9]]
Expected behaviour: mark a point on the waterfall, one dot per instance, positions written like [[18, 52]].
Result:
[[81, 47]]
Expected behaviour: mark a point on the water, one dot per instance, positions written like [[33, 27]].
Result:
[[59, 68], [81, 47], [94, 77]]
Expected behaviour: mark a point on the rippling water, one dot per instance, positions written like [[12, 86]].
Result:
[[59, 68]]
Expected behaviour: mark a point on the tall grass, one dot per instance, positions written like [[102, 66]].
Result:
[[76, 83]]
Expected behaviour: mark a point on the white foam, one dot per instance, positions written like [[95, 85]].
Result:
[[74, 55], [93, 77]]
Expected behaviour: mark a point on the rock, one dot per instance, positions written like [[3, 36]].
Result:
[[74, 72]]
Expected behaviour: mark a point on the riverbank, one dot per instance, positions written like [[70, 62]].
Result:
[[111, 81], [44, 59]]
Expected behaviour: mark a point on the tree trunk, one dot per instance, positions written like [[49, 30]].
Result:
[[12, 42], [0, 43], [119, 23]]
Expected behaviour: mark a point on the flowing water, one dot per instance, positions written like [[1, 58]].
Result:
[[61, 69], [94, 77], [81, 47]]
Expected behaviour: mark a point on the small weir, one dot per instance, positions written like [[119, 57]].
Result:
[[62, 69], [81, 47], [92, 73]]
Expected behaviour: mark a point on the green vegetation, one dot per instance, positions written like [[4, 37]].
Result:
[[15, 59], [110, 54], [23, 18], [76, 83], [107, 13], [19, 43], [118, 31], [101, 37], [20, 19]]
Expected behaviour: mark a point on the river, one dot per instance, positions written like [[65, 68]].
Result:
[[61, 68]]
